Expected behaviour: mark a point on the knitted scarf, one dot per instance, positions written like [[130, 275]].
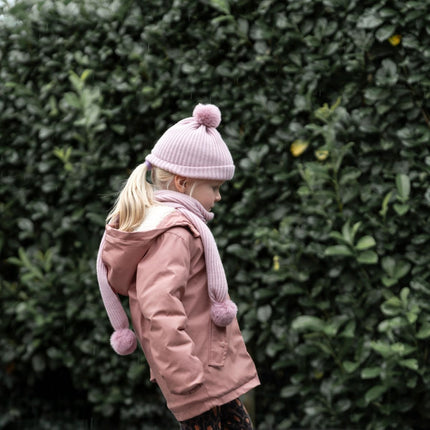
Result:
[[122, 340], [223, 310]]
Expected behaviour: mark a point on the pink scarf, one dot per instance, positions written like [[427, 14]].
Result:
[[223, 310], [123, 340]]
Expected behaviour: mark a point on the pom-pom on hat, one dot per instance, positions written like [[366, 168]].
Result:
[[194, 148]]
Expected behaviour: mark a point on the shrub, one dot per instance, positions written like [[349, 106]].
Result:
[[323, 231]]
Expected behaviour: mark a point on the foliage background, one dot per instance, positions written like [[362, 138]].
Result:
[[324, 231]]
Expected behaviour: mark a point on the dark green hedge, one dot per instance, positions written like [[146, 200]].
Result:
[[324, 231]]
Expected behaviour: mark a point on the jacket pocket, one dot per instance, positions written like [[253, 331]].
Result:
[[218, 345]]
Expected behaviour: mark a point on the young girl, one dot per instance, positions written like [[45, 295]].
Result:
[[158, 250]]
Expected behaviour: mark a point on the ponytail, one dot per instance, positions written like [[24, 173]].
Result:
[[131, 204]]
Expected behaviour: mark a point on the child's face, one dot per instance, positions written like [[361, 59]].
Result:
[[207, 193]]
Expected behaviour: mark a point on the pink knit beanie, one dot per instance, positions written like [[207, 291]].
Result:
[[193, 147]]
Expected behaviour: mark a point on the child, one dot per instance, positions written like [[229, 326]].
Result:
[[158, 250]]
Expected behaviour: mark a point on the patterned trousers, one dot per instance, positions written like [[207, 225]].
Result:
[[231, 416]]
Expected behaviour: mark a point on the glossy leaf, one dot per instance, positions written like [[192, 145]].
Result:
[[365, 242], [403, 187], [367, 257], [375, 393]]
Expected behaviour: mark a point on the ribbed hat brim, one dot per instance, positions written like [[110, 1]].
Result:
[[218, 173]]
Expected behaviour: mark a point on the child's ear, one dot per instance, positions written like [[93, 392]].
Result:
[[180, 183]]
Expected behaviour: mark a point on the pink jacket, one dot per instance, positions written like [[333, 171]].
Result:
[[196, 364]]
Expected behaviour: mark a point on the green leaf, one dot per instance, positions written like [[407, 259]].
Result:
[[382, 348], [389, 265], [367, 257], [385, 32], [391, 324], [375, 393], [330, 329], [38, 362], [350, 366], [349, 330], [349, 233], [290, 391], [403, 185], [25, 224], [369, 20], [424, 331], [308, 323], [419, 285], [338, 250], [339, 237], [412, 316], [118, 128], [264, 313], [402, 269], [365, 242], [402, 349], [374, 94], [15, 261], [346, 233], [404, 294], [410, 363], [72, 100], [388, 282], [93, 116], [387, 74], [370, 372], [34, 270], [221, 5], [354, 230], [401, 209], [324, 347], [392, 306]]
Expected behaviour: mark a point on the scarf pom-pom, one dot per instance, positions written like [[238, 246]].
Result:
[[223, 313], [123, 341]]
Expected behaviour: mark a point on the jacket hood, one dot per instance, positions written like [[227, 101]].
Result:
[[123, 250]]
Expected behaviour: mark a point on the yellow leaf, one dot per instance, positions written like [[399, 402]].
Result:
[[85, 74], [298, 147], [318, 374], [321, 154], [276, 263], [395, 39]]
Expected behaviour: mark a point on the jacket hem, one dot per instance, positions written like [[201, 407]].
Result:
[[198, 407]]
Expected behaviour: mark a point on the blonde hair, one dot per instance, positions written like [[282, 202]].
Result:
[[137, 196]]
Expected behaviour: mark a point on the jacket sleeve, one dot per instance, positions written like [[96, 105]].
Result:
[[161, 279]]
